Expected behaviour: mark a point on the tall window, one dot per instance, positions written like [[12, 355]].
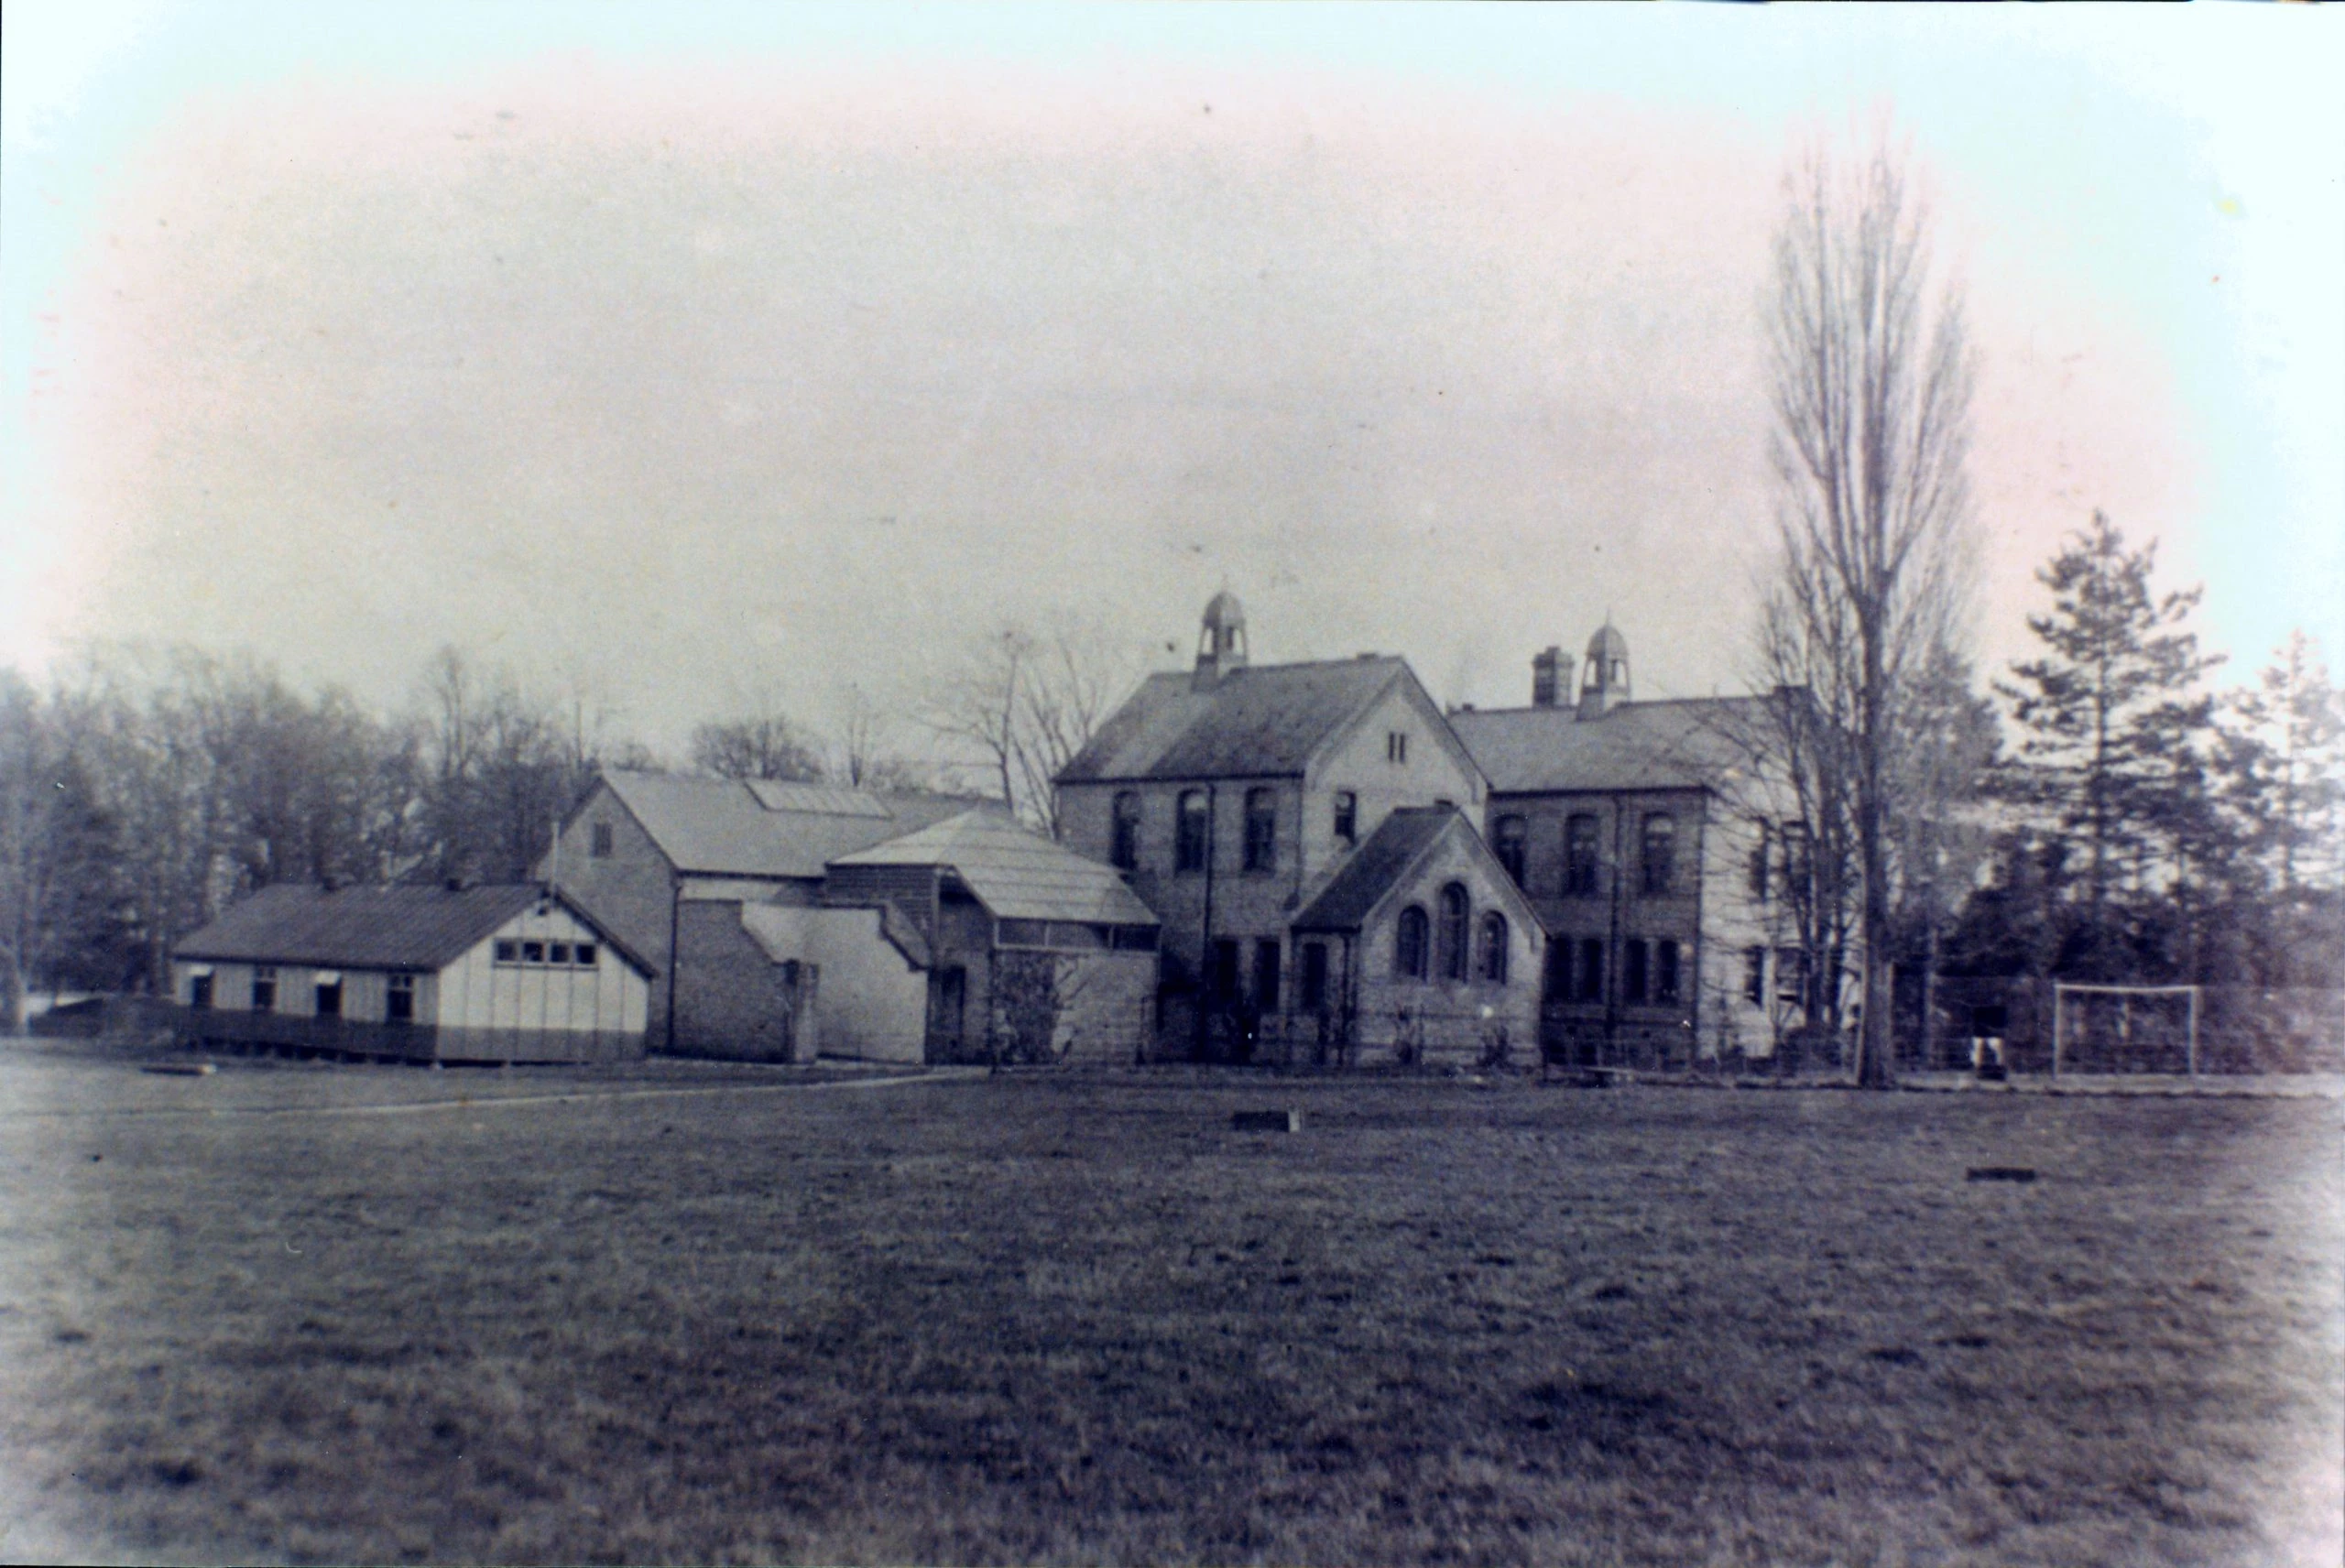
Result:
[[1755, 975], [1346, 816], [601, 847], [1799, 865], [1261, 830], [1659, 851], [1632, 970], [1664, 972], [1266, 975], [1592, 969], [1124, 851], [1190, 844], [264, 989], [1396, 747], [1409, 939], [1225, 977], [1508, 841], [1314, 976], [1559, 968], [1451, 938], [1579, 853], [330, 998], [199, 992], [1490, 962], [399, 1001], [1791, 976], [1759, 878]]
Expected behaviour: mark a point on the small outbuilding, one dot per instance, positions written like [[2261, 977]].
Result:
[[505, 974]]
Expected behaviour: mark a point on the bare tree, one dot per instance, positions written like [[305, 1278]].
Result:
[[1872, 382], [766, 745], [1025, 703], [859, 754]]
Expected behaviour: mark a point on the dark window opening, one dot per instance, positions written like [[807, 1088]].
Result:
[[330, 999], [1314, 976], [1261, 830], [1659, 853], [1224, 973], [1758, 867], [1799, 864], [533, 952], [1508, 840], [1579, 855], [601, 848], [1266, 975], [1452, 934], [199, 992], [1755, 975], [264, 990], [1190, 845], [1664, 972], [1396, 747], [1494, 945], [508, 952], [583, 953], [1791, 976], [1409, 943], [558, 953], [1632, 970], [1346, 816], [1125, 852], [1592, 969], [399, 1002], [1558, 976]]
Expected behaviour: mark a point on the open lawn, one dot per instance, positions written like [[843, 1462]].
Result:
[[270, 1314]]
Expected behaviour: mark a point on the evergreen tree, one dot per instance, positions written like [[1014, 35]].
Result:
[[2117, 751], [2282, 774]]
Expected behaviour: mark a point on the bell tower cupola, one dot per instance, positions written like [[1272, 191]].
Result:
[[1221, 641], [1603, 684]]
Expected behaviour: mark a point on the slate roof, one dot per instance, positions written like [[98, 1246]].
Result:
[[421, 927], [1017, 875], [725, 828], [1685, 744], [1257, 721], [1397, 844]]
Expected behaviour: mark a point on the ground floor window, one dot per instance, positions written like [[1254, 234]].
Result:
[[399, 1002], [1314, 976], [1664, 972], [1632, 970], [199, 992], [1755, 975], [330, 998], [264, 989], [1266, 975], [1592, 969], [1221, 974]]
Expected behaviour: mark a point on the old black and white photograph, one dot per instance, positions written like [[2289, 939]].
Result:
[[1172, 784]]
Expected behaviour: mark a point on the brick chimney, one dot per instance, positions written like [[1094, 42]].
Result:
[[1551, 678]]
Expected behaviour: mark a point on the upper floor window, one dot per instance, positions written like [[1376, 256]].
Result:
[[1755, 975], [1396, 747], [1592, 969], [1125, 851], [1409, 934], [1346, 816], [1799, 861], [601, 847], [1659, 851], [1507, 840], [1759, 878], [1490, 963], [1191, 838], [1579, 853], [1261, 830], [1451, 938]]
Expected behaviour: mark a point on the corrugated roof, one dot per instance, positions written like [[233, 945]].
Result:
[[421, 927], [1685, 744], [723, 827], [1257, 721], [1017, 875], [1398, 844]]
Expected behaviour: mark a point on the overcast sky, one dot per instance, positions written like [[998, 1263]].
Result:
[[701, 354]]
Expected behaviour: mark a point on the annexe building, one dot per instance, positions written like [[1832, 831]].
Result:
[[1233, 797], [510, 973]]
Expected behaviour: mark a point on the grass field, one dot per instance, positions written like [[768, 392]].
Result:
[[694, 1315]]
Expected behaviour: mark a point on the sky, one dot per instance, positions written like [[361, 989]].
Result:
[[699, 357]]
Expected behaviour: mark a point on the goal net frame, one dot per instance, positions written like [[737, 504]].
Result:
[[2062, 990]]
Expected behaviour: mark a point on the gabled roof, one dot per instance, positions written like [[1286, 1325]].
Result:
[[1396, 845], [724, 827], [421, 927], [1257, 721], [1017, 875], [1684, 744]]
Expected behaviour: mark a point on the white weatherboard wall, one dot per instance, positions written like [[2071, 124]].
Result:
[[477, 991]]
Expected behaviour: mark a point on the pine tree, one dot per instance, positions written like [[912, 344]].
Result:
[[2117, 744], [2282, 772]]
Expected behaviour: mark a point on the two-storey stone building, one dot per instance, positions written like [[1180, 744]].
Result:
[[1237, 798]]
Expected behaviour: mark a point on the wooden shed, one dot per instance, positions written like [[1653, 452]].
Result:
[[505, 974]]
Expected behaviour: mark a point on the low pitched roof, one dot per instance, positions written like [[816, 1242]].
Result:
[[1396, 845], [418, 927], [1682, 744], [726, 827], [1257, 721], [1016, 873]]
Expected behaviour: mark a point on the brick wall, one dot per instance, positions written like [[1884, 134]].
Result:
[[732, 999]]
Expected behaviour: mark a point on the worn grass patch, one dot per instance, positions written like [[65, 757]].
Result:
[[1087, 1321]]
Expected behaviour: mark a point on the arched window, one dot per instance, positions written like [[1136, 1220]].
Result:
[[1261, 830], [1506, 840], [1450, 939], [1409, 945], [1490, 963], [1661, 851], [1126, 856], [1190, 845], [1579, 853]]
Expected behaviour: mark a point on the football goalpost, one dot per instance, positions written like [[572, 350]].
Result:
[[2101, 1029]]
